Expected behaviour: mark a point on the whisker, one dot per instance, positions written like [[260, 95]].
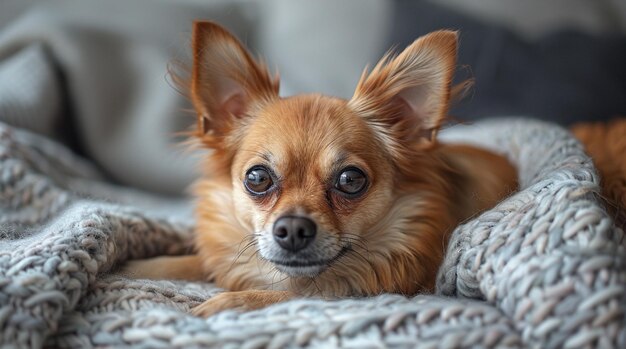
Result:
[[355, 238], [319, 290], [256, 253], [361, 242], [279, 281], [271, 284], [361, 256], [242, 251], [331, 268], [249, 244], [356, 243]]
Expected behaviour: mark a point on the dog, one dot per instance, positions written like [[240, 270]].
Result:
[[312, 195]]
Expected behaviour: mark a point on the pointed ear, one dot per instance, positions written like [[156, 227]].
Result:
[[226, 82], [405, 97]]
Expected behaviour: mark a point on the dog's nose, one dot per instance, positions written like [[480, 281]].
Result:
[[294, 233]]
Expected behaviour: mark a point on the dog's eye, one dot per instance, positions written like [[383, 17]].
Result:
[[351, 181], [258, 180]]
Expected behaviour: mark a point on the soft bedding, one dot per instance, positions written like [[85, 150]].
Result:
[[545, 268]]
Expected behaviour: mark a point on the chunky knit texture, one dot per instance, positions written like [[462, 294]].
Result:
[[545, 268]]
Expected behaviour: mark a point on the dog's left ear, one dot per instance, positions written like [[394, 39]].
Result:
[[405, 97]]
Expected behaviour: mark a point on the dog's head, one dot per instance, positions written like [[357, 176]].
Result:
[[311, 175]]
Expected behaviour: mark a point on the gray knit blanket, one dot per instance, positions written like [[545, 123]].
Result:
[[544, 269]]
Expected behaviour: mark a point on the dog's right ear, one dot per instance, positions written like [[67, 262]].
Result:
[[226, 81]]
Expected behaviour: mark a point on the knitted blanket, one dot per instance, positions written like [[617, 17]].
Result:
[[545, 268]]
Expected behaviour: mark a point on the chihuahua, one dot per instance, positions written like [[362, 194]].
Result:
[[313, 195]]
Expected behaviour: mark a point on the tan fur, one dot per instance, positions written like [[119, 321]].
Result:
[[240, 300], [606, 144], [396, 232], [166, 268]]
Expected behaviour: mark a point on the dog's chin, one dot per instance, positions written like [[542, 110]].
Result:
[[301, 271], [298, 268]]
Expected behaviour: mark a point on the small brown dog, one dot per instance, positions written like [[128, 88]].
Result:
[[313, 195]]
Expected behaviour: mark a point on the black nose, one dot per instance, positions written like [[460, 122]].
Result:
[[294, 233]]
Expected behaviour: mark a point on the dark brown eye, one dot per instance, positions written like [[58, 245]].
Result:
[[351, 181], [258, 180]]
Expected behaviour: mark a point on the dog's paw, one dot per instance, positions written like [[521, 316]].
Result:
[[221, 302], [239, 301], [137, 269], [165, 268]]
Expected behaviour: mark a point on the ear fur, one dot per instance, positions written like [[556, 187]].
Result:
[[405, 97], [226, 82]]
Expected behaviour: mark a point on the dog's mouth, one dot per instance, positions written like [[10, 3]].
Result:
[[304, 268]]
